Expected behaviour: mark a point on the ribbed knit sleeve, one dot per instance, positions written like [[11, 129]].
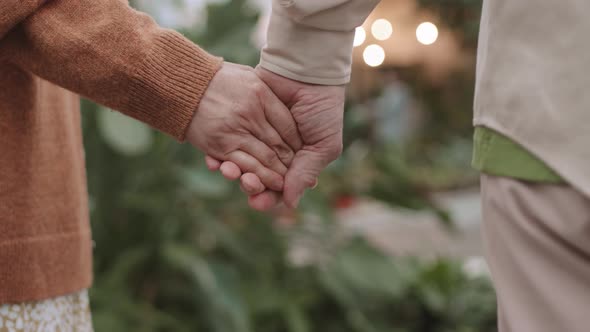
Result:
[[108, 52], [12, 12]]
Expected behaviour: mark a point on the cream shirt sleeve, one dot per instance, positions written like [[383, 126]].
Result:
[[311, 40]]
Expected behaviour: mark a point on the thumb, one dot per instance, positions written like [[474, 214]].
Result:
[[303, 173]]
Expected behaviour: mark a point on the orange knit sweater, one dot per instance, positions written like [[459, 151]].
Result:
[[51, 52]]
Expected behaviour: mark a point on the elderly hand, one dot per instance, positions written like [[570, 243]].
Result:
[[240, 120], [318, 111]]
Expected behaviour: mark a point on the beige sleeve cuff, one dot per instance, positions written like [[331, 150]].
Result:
[[311, 40], [307, 54]]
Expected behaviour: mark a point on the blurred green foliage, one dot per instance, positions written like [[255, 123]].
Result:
[[228, 32], [177, 248]]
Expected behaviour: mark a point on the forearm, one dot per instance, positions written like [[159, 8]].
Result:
[[311, 41], [116, 56]]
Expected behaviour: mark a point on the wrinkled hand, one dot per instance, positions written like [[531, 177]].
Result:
[[318, 112], [240, 120]]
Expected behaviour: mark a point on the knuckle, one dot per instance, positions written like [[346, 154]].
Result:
[[283, 152], [238, 107], [270, 158], [246, 186], [258, 89], [267, 177], [247, 111], [277, 144], [286, 154]]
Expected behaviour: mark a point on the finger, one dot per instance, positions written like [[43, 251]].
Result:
[[305, 169], [281, 119], [264, 131], [249, 164], [251, 184], [265, 201], [264, 154], [212, 163], [230, 171]]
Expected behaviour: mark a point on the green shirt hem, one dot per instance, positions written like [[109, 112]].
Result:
[[496, 154]]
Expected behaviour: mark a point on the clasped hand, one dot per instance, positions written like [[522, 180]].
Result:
[[274, 134]]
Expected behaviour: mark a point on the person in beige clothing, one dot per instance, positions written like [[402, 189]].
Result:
[[530, 95]]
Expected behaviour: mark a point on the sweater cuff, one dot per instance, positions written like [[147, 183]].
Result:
[[307, 54], [169, 84]]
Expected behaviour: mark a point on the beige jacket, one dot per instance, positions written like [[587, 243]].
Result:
[[532, 72]]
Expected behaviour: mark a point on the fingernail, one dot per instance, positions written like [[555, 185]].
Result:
[[296, 203], [315, 185]]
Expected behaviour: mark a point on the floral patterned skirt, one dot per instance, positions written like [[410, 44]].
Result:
[[70, 313]]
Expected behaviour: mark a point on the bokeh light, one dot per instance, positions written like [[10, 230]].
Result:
[[381, 29], [359, 36], [427, 33], [374, 55]]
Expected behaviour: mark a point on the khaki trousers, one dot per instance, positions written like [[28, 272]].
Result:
[[537, 242]]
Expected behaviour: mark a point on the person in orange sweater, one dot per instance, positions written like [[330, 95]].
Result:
[[53, 51]]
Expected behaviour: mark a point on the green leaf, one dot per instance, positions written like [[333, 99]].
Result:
[[295, 318], [205, 183], [123, 134]]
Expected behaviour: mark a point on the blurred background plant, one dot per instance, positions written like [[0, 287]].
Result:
[[177, 248]]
